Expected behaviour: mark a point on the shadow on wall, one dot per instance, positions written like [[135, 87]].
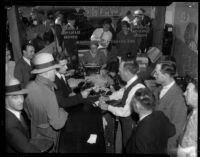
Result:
[[187, 59]]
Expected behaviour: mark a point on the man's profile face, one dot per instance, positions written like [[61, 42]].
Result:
[[158, 75]]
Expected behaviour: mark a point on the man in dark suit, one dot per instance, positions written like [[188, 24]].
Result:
[[17, 133], [23, 67], [153, 129], [170, 100], [82, 125]]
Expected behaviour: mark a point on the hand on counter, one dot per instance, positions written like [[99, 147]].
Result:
[[85, 93], [103, 105]]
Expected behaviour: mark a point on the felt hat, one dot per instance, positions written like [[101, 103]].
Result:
[[43, 62], [13, 87]]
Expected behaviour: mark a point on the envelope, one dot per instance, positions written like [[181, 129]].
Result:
[[92, 139]]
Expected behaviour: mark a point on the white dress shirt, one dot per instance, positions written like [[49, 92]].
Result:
[[16, 113], [165, 89], [27, 61], [107, 36], [61, 75], [145, 115], [126, 110]]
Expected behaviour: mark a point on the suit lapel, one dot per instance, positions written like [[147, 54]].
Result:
[[17, 122], [168, 94], [26, 65]]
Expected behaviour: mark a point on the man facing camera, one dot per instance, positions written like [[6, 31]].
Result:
[[150, 136], [17, 133], [23, 66]]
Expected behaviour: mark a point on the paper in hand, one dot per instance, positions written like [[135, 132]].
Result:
[[92, 139]]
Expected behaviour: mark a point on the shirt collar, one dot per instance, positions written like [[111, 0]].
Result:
[[27, 60], [145, 115], [16, 113], [169, 85], [58, 74], [131, 81]]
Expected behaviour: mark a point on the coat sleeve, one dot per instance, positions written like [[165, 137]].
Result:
[[65, 101], [178, 118], [57, 116], [18, 73], [20, 142]]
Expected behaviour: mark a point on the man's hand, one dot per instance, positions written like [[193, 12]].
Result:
[[103, 99], [85, 93], [103, 105], [70, 72]]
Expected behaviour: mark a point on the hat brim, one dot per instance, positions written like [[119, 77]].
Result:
[[21, 92], [38, 71]]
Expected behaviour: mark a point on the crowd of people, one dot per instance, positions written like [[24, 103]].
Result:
[[45, 114]]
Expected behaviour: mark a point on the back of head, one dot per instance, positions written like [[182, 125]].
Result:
[[145, 97]]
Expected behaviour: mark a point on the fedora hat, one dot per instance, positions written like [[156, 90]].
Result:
[[154, 54], [43, 62], [13, 87]]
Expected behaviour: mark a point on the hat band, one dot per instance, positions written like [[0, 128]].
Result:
[[13, 88], [45, 65]]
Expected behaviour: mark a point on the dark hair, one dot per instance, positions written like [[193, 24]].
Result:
[[26, 45], [128, 13], [59, 56], [113, 65], [131, 65], [168, 67], [145, 97], [125, 23], [143, 10], [106, 21], [71, 17]]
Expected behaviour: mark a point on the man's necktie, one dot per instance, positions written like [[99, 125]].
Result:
[[63, 77], [22, 120]]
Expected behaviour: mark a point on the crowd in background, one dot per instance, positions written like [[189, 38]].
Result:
[[152, 121]]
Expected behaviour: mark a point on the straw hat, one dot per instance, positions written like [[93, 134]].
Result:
[[43, 62], [13, 87]]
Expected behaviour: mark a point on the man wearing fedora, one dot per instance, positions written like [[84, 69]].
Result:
[[41, 103], [17, 133]]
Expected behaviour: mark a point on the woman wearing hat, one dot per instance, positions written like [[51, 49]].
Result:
[[17, 134], [41, 103]]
